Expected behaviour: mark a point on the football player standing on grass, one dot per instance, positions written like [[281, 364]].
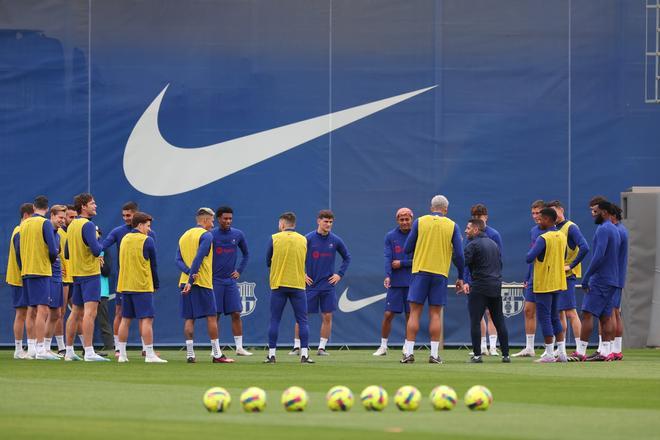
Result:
[[576, 251], [600, 282], [286, 259], [56, 297], [67, 279], [530, 304], [616, 343], [435, 241], [320, 275], [18, 299], [548, 255], [398, 266], [35, 253], [226, 243], [115, 237], [83, 250], [197, 300], [137, 282], [479, 211]]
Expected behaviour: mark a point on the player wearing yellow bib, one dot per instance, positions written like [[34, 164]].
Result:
[[83, 250], [435, 241], [285, 257], [67, 279], [137, 282], [194, 259], [15, 282], [548, 255], [36, 252]]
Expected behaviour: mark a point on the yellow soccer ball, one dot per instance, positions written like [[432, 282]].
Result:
[[217, 399], [294, 399], [407, 398], [339, 398], [253, 399], [478, 398], [443, 398], [374, 398]]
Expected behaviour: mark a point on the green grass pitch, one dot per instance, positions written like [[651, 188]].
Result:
[[48, 399]]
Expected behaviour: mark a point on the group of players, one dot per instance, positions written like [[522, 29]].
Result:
[[56, 260]]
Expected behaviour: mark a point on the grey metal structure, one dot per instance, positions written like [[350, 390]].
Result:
[[640, 304], [652, 52]]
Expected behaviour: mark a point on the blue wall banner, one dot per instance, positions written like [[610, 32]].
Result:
[[301, 105]]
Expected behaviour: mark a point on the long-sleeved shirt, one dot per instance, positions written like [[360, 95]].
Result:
[[89, 238], [117, 234], [604, 266], [395, 240], [456, 240], [484, 259], [538, 249], [205, 244], [575, 238], [534, 233], [320, 261], [494, 235], [56, 265], [149, 253], [226, 244], [623, 254]]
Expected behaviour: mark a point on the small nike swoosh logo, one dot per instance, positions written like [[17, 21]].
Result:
[[157, 168], [347, 306]]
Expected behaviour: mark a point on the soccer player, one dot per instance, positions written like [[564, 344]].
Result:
[[600, 282], [484, 259], [15, 282], [194, 259], [321, 277], [575, 253], [83, 250], [530, 304], [115, 237], [616, 344], [398, 271], [137, 282], [67, 279], [226, 243], [593, 209], [285, 257], [435, 241], [56, 297], [548, 255], [480, 211], [35, 253]]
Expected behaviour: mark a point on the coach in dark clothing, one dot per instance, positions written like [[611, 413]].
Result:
[[483, 257]]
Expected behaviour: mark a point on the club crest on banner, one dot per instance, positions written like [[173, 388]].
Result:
[[513, 299], [248, 298]]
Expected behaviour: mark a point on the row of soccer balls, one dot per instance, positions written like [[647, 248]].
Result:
[[340, 398]]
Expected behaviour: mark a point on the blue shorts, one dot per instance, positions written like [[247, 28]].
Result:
[[397, 300], [547, 313], [119, 300], [56, 298], [616, 299], [324, 300], [198, 303], [566, 298], [428, 286], [528, 293], [36, 290], [138, 305], [599, 300], [227, 298], [18, 299], [87, 289]]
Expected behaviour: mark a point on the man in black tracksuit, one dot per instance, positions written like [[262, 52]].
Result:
[[483, 257]]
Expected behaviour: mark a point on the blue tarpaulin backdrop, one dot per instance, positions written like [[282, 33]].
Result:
[[533, 99]]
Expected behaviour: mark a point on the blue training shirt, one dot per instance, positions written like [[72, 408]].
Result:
[[320, 261], [575, 238], [205, 244], [623, 254], [604, 266], [226, 244], [395, 241]]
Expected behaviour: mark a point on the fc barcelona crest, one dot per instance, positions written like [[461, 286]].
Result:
[[513, 300], [248, 298]]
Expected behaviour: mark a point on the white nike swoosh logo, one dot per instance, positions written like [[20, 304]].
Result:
[[347, 306], [157, 168]]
